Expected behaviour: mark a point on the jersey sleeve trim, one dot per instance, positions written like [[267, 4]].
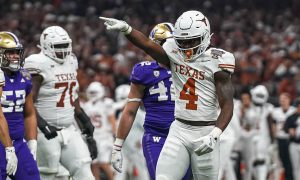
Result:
[[230, 66]]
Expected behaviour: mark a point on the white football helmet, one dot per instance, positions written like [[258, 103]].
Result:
[[259, 94], [192, 34], [161, 32], [56, 43], [95, 91], [121, 92]]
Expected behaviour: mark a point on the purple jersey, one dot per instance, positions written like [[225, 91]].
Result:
[[15, 90], [158, 96]]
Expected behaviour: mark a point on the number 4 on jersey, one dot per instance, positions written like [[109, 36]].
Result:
[[188, 93]]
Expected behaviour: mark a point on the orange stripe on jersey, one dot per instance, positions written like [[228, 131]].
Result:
[[227, 66]]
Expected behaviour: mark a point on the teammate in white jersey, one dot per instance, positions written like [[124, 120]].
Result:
[[100, 110], [54, 72], [202, 79]]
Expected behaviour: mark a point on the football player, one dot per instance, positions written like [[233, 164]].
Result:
[[18, 109], [5, 139], [152, 85], [54, 72], [100, 110], [279, 116], [202, 80]]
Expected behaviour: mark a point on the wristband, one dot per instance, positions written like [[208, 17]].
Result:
[[216, 132], [127, 30], [118, 144]]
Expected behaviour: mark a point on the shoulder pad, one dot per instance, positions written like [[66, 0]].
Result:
[[141, 72], [25, 74], [33, 64], [226, 60]]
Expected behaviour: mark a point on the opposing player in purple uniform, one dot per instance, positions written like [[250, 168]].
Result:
[[17, 106], [151, 84]]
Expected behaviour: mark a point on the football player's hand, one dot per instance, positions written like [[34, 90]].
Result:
[[32, 145], [207, 143], [117, 159], [49, 131], [117, 25], [12, 161], [92, 147]]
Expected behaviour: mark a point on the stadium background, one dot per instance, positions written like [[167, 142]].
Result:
[[263, 35]]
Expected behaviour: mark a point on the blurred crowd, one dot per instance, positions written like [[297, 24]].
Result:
[[263, 35]]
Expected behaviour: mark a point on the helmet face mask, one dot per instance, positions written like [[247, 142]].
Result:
[[56, 43], [11, 52], [192, 34]]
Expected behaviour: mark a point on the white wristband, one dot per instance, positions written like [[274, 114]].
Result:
[[216, 132], [127, 30], [118, 144], [32, 143]]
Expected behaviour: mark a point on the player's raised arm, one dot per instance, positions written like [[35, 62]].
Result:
[[138, 39]]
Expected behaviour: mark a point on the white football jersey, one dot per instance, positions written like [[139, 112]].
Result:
[[55, 101], [99, 111], [2, 78], [280, 116], [196, 98]]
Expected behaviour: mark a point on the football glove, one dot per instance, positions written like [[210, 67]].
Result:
[[49, 131], [12, 161], [116, 155], [207, 143], [117, 25]]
